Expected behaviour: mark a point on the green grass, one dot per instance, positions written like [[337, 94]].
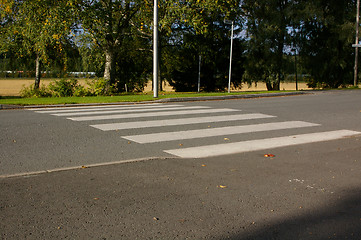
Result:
[[112, 99]]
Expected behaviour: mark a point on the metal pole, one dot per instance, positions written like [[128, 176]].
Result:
[[230, 62], [155, 49], [199, 73], [296, 69], [357, 42]]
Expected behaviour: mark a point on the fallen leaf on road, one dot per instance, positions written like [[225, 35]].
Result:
[[83, 166], [269, 155], [203, 165], [155, 218], [226, 139], [180, 144], [96, 198], [14, 141], [222, 186]]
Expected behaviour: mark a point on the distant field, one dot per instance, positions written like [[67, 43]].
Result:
[[12, 87]]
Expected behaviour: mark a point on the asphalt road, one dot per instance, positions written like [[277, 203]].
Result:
[[306, 191]]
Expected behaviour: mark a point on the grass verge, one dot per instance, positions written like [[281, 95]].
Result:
[[113, 99]]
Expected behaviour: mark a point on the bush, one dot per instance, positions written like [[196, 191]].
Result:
[[69, 88], [63, 87], [28, 92], [97, 87]]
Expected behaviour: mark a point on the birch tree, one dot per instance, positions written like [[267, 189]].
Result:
[[35, 28]]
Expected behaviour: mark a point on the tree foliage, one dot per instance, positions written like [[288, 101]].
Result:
[[326, 35], [35, 29], [267, 25], [114, 39]]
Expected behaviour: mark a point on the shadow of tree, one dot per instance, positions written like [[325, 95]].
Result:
[[341, 220]]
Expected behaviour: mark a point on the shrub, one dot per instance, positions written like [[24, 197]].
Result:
[[80, 91], [69, 88], [63, 87], [30, 91], [97, 87]]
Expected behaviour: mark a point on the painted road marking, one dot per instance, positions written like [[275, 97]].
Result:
[[128, 110], [103, 108], [152, 114], [262, 144], [76, 108], [179, 121], [212, 132]]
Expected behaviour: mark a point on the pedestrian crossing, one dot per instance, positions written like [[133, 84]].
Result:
[[156, 117]]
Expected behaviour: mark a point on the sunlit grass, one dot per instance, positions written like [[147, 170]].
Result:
[[113, 99]]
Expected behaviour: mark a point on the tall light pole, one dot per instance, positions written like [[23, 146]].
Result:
[[155, 49], [199, 73], [356, 45], [230, 56]]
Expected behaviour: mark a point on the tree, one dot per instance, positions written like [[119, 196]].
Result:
[[189, 29], [267, 29], [35, 28], [108, 23], [327, 33]]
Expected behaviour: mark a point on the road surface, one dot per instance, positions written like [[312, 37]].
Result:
[[268, 168]]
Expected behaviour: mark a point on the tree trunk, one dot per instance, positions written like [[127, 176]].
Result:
[[273, 86], [109, 69], [37, 72]]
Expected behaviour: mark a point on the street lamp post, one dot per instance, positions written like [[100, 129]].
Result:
[[199, 73], [230, 56], [155, 49], [296, 69], [356, 45]]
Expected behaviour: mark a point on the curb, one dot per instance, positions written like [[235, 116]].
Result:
[[165, 100], [230, 97]]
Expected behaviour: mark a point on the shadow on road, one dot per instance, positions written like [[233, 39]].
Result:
[[341, 220]]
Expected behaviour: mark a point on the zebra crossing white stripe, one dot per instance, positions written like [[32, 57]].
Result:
[[152, 114], [75, 108], [107, 108], [212, 132], [262, 144], [128, 110], [179, 121]]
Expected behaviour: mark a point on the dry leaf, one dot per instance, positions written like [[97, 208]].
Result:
[[83, 166], [222, 186], [203, 165], [180, 144], [269, 155], [226, 139], [155, 218]]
